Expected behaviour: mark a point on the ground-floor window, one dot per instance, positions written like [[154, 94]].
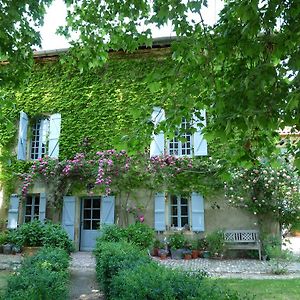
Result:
[[179, 211], [32, 208]]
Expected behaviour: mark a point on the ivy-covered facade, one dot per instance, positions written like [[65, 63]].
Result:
[[56, 163]]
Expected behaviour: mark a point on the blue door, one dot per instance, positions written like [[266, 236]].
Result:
[[90, 222]]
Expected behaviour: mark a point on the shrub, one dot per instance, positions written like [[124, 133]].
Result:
[[111, 258], [112, 233], [36, 234], [216, 242], [3, 237], [43, 276], [54, 235], [140, 235], [152, 282]]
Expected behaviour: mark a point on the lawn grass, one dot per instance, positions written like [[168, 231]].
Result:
[[266, 289], [3, 281]]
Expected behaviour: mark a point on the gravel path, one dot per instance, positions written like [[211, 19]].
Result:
[[83, 277]]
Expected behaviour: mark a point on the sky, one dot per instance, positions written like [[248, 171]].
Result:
[[57, 12]]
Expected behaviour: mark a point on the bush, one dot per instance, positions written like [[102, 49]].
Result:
[[152, 282], [43, 276], [216, 242], [111, 258], [3, 237], [112, 233], [36, 234], [54, 235], [140, 235]]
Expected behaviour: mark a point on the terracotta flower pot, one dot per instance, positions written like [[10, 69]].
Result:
[[195, 254], [187, 256], [163, 256], [30, 251]]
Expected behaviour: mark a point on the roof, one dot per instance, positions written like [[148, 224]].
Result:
[[161, 42]]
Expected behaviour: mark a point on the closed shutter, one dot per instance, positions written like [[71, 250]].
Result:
[[157, 146], [55, 123], [200, 144], [108, 210], [68, 216], [159, 212], [197, 212], [42, 207], [13, 212], [22, 139]]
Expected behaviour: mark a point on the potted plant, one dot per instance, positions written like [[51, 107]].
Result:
[[187, 254], [202, 246], [163, 254], [216, 243], [177, 243], [157, 244], [195, 249]]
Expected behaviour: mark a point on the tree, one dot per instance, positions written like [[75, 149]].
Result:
[[243, 70]]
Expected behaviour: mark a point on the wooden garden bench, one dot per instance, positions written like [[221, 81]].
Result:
[[243, 240]]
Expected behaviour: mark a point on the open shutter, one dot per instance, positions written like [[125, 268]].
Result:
[[200, 144], [42, 208], [13, 212], [68, 216], [157, 146], [22, 139], [108, 210], [55, 122], [159, 212], [197, 212]]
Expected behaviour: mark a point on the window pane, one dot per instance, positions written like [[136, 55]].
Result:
[[184, 221], [174, 211], [95, 225], [87, 224], [96, 203], [87, 214], [87, 203], [96, 214], [28, 200], [173, 200], [184, 210], [174, 222], [27, 219], [37, 200], [36, 210], [28, 210], [184, 200]]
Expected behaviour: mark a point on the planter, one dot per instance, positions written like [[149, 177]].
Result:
[[187, 256], [206, 254], [7, 249], [163, 256], [155, 252], [30, 251], [195, 254], [177, 253]]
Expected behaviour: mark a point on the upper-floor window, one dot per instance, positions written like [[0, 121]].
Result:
[[43, 137], [39, 138], [181, 144], [185, 143]]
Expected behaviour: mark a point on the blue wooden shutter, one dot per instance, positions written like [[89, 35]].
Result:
[[55, 122], [42, 208], [200, 144], [159, 212], [197, 212], [157, 146], [68, 216], [13, 212], [108, 210], [22, 139]]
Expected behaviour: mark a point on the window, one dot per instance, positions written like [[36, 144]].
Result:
[[32, 208], [39, 138], [44, 137], [179, 211], [178, 147], [91, 213]]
